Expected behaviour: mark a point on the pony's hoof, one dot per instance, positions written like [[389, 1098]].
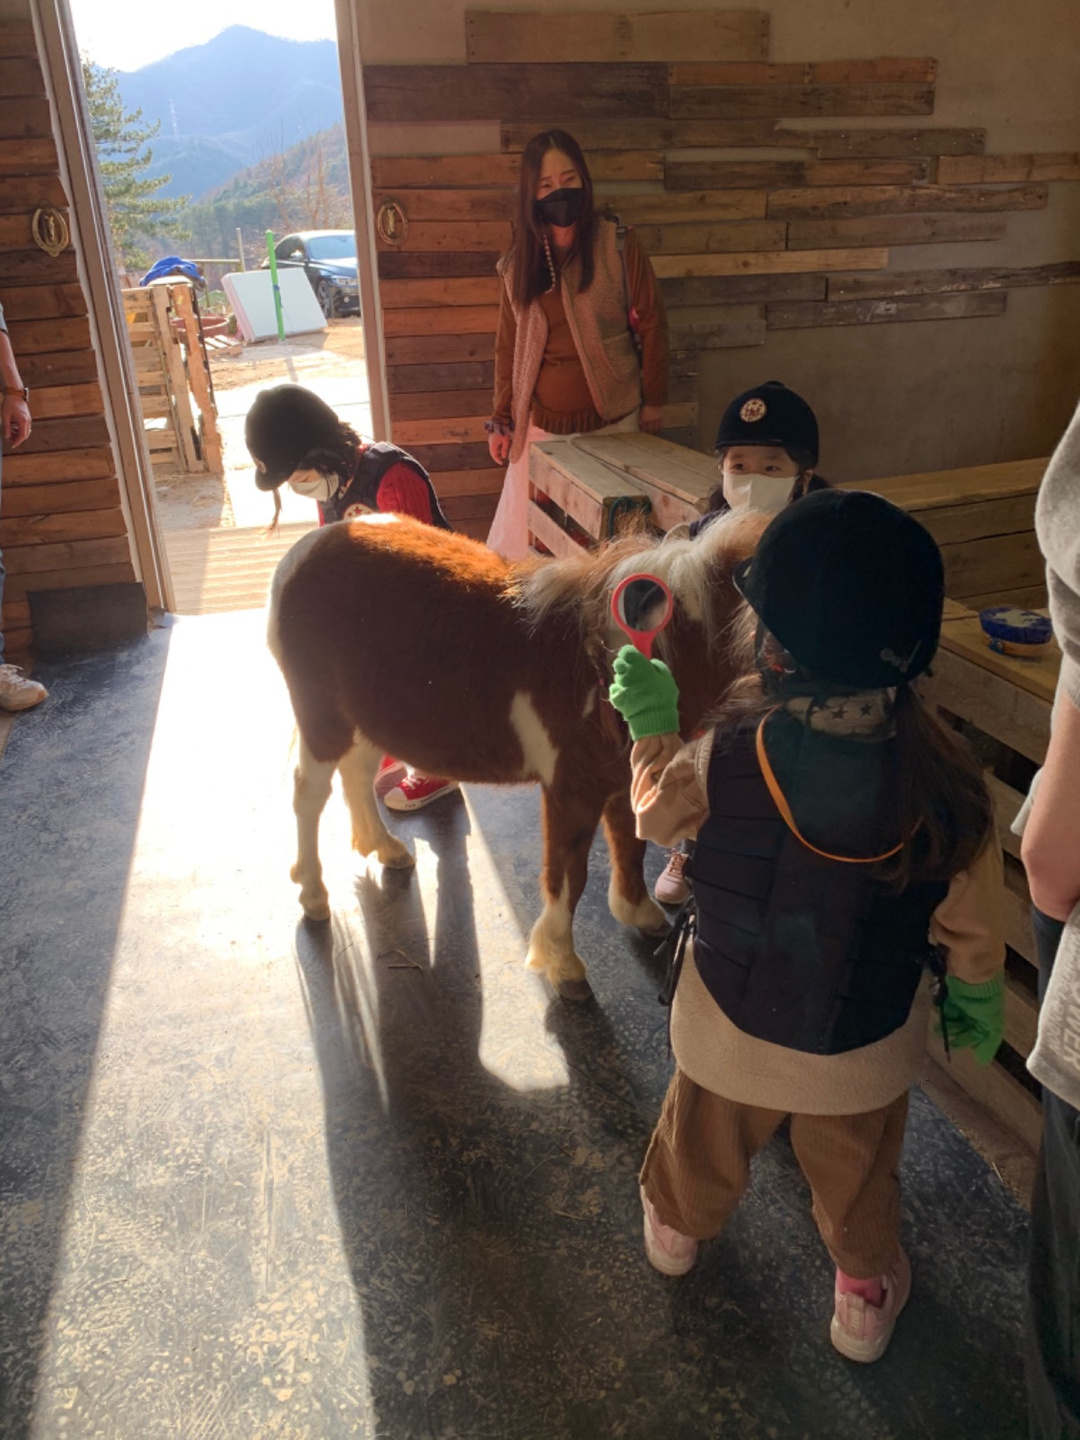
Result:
[[577, 990], [316, 911], [397, 857]]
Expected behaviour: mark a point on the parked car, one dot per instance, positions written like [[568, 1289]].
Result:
[[328, 258]]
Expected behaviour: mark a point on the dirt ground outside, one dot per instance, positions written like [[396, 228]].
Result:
[[330, 362]]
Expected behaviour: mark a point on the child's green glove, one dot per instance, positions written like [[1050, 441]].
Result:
[[974, 1016], [645, 694]]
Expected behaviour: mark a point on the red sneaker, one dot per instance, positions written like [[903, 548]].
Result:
[[388, 774], [416, 791]]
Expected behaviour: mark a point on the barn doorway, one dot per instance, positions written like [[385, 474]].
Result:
[[247, 121]]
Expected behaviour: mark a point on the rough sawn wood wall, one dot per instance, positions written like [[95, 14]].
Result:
[[766, 195]]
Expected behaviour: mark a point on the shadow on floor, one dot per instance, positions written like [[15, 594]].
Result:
[[71, 785]]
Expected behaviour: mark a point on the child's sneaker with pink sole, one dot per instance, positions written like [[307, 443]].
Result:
[[666, 1249], [862, 1331]]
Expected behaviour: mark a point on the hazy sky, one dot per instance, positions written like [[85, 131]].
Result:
[[145, 34]]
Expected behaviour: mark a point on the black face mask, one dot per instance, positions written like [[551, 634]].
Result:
[[561, 208]]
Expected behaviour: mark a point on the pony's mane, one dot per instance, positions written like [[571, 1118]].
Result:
[[580, 587]]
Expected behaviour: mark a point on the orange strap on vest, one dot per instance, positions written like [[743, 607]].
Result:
[[788, 818]]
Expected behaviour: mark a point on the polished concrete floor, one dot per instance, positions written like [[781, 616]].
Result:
[[260, 1179]]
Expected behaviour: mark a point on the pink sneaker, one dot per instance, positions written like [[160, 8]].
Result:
[[416, 791], [862, 1331], [665, 1249], [671, 888]]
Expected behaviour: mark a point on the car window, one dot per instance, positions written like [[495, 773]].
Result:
[[339, 245]]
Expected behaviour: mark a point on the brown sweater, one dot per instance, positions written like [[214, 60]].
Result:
[[562, 403], [669, 796]]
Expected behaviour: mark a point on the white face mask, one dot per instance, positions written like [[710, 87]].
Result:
[[768, 493], [313, 485]]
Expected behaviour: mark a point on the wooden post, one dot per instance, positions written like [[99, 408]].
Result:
[[198, 371], [179, 399]]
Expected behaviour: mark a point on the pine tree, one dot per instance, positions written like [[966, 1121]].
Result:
[[137, 211]]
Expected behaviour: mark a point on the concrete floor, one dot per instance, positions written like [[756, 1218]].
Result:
[[260, 1179]]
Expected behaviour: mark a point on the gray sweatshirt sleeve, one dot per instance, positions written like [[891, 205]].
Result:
[[3, 322], [1057, 522]]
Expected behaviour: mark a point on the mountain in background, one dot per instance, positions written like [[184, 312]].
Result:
[[230, 103]]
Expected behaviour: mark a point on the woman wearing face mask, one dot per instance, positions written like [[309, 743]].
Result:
[[577, 290], [296, 439], [767, 446]]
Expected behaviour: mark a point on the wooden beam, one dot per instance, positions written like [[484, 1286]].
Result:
[[999, 169], [468, 482], [55, 401], [414, 294], [67, 466], [36, 337], [651, 133], [17, 38], [740, 35], [480, 509], [19, 530], [411, 379], [941, 282], [21, 500], [433, 264], [80, 572], [25, 117], [1007, 803], [894, 230], [24, 193], [437, 404], [446, 93], [68, 433], [454, 236], [28, 157], [705, 239], [435, 458], [695, 207], [748, 102], [443, 205], [829, 72], [499, 171], [554, 539], [957, 524], [446, 320], [21, 76], [717, 335], [742, 289], [439, 349], [38, 302], [846, 144], [30, 560], [453, 429], [844, 201], [996, 1091], [781, 174], [881, 312], [772, 262]]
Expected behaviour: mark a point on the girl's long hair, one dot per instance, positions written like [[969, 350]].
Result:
[[529, 256], [936, 795]]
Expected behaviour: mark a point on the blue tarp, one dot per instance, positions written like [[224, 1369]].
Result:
[[171, 265]]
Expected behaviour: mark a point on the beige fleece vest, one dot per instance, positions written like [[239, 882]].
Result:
[[598, 322]]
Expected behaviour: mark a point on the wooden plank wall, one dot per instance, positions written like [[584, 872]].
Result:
[[61, 522], [743, 243]]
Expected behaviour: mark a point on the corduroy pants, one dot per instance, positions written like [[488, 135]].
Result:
[[698, 1166]]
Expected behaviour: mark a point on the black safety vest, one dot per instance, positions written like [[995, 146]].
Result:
[[796, 948], [363, 489]]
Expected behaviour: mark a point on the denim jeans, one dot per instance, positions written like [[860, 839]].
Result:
[[1052, 1345]]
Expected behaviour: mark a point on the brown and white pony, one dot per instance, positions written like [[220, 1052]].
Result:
[[398, 638]]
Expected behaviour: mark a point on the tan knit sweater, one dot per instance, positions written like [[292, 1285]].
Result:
[[670, 800], [567, 362]]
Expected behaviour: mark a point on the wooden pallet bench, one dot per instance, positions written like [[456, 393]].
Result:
[[1004, 704]]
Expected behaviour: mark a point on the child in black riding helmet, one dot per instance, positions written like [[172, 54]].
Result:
[[296, 439], [845, 844], [767, 450]]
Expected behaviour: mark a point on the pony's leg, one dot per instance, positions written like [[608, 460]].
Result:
[[358, 768], [311, 790], [628, 898], [570, 822]]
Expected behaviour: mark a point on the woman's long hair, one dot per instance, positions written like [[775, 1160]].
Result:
[[529, 256], [936, 795]]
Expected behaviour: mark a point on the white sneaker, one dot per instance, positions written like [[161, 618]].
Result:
[[17, 692]]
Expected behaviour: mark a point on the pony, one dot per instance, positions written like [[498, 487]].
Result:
[[394, 637]]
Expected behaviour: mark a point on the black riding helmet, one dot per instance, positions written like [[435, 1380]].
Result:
[[851, 586], [290, 428], [770, 414]]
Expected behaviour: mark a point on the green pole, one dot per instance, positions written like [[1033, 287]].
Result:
[[274, 283]]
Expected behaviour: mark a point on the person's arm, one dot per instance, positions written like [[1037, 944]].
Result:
[[502, 410], [666, 791], [652, 324], [968, 922], [1050, 848], [14, 411], [403, 491]]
